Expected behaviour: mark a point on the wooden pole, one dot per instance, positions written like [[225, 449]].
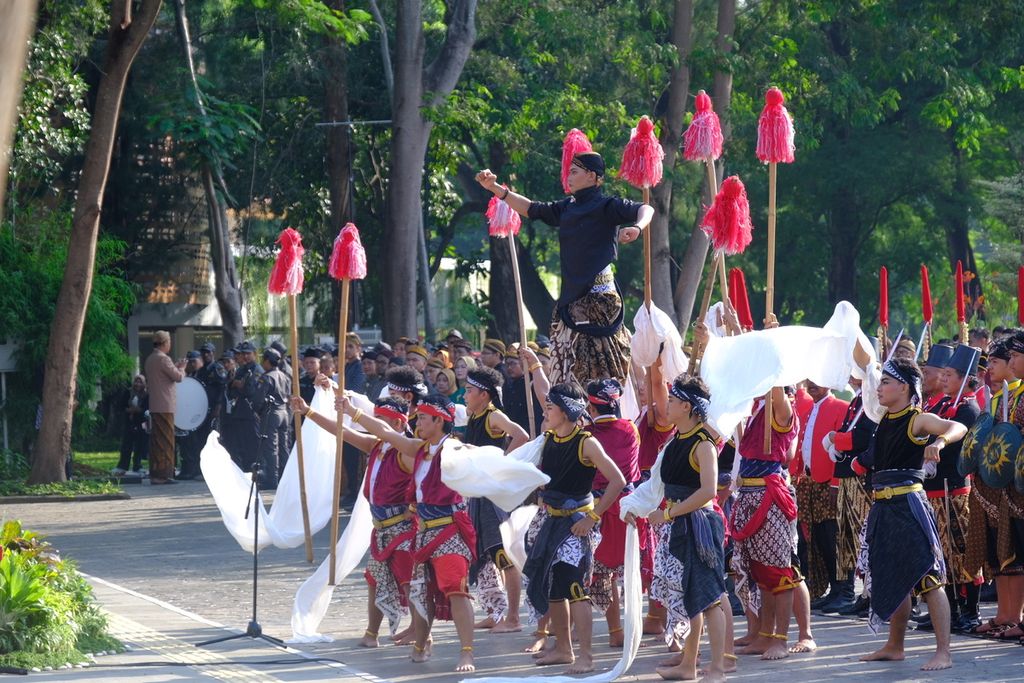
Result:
[[769, 295], [527, 375], [717, 261], [298, 429], [339, 470], [647, 304]]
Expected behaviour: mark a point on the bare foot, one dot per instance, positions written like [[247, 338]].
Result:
[[507, 626], [616, 638], [714, 676], [465, 662], [677, 673], [940, 660], [584, 664], [540, 639], [886, 654], [729, 668], [420, 655], [653, 626], [758, 646], [776, 650], [402, 637], [484, 623], [554, 656], [804, 645], [671, 662], [745, 640], [368, 641]]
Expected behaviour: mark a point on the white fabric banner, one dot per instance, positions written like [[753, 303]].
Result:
[[485, 472], [652, 330], [742, 368]]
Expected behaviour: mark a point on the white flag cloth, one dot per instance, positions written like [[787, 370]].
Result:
[[739, 369], [486, 472], [652, 330], [513, 534], [314, 596], [632, 614], [282, 525]]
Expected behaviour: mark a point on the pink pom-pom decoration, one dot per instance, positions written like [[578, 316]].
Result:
[[775, 130], [286, 277], [642, 157], [702, 141], [348, 258], [575, 142], [502, 221], [727, 222]]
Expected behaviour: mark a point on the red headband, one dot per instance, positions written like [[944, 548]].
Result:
[[389, 413], [430, 409]]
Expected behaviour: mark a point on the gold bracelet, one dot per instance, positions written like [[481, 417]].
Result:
[[358, 414], [309, 411], [668, 515], [534, 367]]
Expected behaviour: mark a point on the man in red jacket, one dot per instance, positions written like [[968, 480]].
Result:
[[816, 491]]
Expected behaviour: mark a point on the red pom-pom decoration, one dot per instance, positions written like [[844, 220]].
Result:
[[502, 220], [926, 295], [775, 130], [703, 139], [641, 160], [348, 258], [883, 296], [738, 296], [286, 277], [575, 142], [727, 222]]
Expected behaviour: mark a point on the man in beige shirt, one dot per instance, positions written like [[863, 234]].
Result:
[[162, 375]]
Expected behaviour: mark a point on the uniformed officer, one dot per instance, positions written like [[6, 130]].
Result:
[[214, 377], [241, 423], [273, 389], [310, 369]]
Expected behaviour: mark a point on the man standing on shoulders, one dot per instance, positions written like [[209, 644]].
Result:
[[162, 376]]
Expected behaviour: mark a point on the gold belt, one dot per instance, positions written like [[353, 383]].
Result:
[[440, 521], [559, 512], [671, 502], [891, 492], [390, 521], [753, 481]]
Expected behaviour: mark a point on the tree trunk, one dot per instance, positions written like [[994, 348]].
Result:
[[15, 36], [338, 155], [225, 281], [697, 248], [502, 295], [410, 134], [957, 225], [671, 134], [536, 297], [127, 34]]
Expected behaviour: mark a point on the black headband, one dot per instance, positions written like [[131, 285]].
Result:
[[1015, 343], [893, 371], [608, 395], [572, 407], [699, 403], [590, 161]]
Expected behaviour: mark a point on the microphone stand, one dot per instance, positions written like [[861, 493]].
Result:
[[253, 628]]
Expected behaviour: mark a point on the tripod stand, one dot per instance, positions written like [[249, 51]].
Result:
[[253, 628]]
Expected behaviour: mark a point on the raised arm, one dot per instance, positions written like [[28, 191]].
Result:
[[363, 442], [516, 434], [658, 400], [518, 202], [406, 445], [541, 385]]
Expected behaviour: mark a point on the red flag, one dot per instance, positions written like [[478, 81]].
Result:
[[883, 297], [703, 139], [727, 222], [1020, 295], [348, 258], [286, 276], [926, 295], [641, 159], [575, 142], [740, 301], [502, 221], [775, 130], [961, 315]]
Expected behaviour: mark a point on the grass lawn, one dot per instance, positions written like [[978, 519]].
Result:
[[95, 463]]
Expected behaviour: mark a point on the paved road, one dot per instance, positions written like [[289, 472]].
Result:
[[170, 575]]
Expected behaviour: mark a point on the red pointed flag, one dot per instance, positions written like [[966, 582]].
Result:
[[703, 139], [961, 313], [348, 258], [883, 297], [1020, 295], [286, 276], [641, 159], [727, 222], [740, 300], [575, 142], [502, 220], [926, 295], [775, 132]]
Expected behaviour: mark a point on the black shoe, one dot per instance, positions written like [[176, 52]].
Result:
[[828, 597], [967, 623], [988, 592], [186, 476], [843, 596], [859, 605], [925, 625]]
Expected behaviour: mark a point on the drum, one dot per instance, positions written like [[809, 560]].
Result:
[[997, 463], [1018, 475], [974, 444], [192, 406]]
